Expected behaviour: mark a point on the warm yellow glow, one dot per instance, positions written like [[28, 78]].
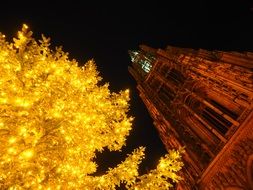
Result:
[[27, 154], [12, 150], [25, 26], [55, 116], [12, 139]]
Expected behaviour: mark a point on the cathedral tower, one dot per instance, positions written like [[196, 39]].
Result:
[[201, 100]]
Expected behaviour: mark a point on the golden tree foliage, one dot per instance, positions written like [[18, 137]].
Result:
[[54, 117]]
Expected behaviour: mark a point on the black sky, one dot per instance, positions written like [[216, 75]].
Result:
[[106, 31]]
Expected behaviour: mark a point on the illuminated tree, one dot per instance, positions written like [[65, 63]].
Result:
[[54, 116]]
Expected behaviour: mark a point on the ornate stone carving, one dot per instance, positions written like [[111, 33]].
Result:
[[237, 172], [205, 98]]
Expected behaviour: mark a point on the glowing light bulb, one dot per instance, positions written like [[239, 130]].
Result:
[[55, 116], [25, 26], [12, 150], [27, 154], [12, 139]]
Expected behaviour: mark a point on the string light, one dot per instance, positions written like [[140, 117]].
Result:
[[55, 116]]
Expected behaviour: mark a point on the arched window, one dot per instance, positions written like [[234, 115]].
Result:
[[194, 104], [176, 76], [166, 95]]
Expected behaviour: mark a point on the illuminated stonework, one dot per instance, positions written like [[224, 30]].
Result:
[[202, 100], [144, 61]]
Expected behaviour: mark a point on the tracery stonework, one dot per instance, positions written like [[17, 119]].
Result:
[[202, 100], [233, 165], [237, 171]]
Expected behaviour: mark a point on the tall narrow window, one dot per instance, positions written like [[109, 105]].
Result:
[[224, 109], [166, 95], [215, 120], [177, 77], [145, 65]]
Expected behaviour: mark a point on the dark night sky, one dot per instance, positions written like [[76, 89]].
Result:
[[106, 31]]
